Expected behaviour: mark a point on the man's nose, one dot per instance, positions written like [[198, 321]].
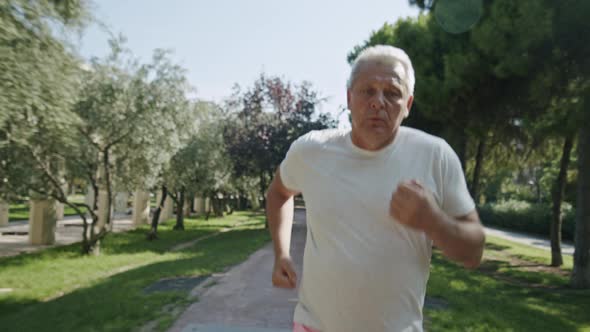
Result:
[[378, 101]]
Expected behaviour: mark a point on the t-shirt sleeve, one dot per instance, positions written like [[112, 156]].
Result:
[[456, 199], [292, 166]]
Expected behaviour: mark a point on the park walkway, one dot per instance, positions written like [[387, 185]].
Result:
[[567, 248], [14, 238], [243, 299]]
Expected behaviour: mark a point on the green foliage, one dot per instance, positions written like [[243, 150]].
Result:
[[36, 66], [525, 217], [38, 85], [202, 166], [114, 122], [139, 113]]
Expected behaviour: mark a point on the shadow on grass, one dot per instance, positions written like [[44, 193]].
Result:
[[68, 251], [490, 265], [118, 303], [495, 247], [480, 302], [8, 304]]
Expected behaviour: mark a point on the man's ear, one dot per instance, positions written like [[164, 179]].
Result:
[[348, 98], [409, 106]]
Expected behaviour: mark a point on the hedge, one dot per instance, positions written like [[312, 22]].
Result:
[[525, 217]]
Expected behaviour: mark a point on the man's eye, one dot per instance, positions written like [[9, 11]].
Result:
[[368, 91], [392, 94]]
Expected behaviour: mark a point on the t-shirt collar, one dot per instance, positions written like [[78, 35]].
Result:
[[386, 150]]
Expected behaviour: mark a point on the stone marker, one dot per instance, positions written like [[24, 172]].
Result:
[[141, 208], [42, 222]]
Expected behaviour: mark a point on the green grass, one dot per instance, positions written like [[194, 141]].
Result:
[[61, 290], [506, 293], [21, 212], [18, 212]]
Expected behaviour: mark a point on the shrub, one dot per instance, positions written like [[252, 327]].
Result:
[[526, 217]]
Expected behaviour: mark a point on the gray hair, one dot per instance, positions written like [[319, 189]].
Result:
[[385, 54]]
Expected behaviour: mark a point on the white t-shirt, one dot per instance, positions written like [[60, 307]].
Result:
[[362, 270]]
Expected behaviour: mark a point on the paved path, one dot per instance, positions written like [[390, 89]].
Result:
[[14, 238], [243, 299], [567, 248]]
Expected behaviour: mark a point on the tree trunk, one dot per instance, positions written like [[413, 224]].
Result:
[[180, 211], [263, 194], [217, 204], [477, 169], [232, 204], [107, 172], [95, 201], [581, 272], [240, 203], [263, 189], [558, 193], [208, 207], [153, 233], [192, 203], [462, 153]]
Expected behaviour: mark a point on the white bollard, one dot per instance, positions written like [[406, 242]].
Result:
[[141, 208], [4, 212], [121, 199], [42, 222]]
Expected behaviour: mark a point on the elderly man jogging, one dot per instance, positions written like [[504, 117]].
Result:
[[378, 197]]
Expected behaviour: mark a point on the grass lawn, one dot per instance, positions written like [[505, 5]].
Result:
[[21, 212], [61, 290], [513, 290]]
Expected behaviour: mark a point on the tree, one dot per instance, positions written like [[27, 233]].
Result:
[[478, 83], [202, 165], [124, 113], [549, 35], [163, 121], [38, 78], [570, 28], [264, 121]]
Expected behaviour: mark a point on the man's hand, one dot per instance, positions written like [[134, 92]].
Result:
[[413, 205], [283, 274], [461, 239]]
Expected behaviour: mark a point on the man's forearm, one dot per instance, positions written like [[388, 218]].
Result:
[[279, 211], [461, 241]]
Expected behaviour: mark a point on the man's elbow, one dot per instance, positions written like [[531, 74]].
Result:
[[473, 261], [276, 197], [472, 264]]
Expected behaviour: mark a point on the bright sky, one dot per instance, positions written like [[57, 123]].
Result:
[[224, 42]]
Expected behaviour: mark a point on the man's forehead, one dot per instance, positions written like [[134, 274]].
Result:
[[382, 72]]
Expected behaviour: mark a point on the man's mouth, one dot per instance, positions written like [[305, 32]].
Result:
[[376, 120]]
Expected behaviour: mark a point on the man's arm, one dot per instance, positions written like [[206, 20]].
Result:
[[279, 212], [461, 239]]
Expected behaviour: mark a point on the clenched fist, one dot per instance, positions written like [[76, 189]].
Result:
[[283, 274], [413, 205]]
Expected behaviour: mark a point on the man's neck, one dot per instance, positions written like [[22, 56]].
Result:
[[373, 144]]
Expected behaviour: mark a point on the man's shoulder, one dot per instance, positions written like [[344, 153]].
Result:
[[316, 138], [419, 139]]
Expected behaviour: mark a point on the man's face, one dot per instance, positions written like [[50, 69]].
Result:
[[378, 102]]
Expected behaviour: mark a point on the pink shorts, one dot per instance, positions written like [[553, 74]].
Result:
[[302, 328]]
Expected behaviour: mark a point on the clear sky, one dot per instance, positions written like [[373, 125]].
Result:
[[224, 42]]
